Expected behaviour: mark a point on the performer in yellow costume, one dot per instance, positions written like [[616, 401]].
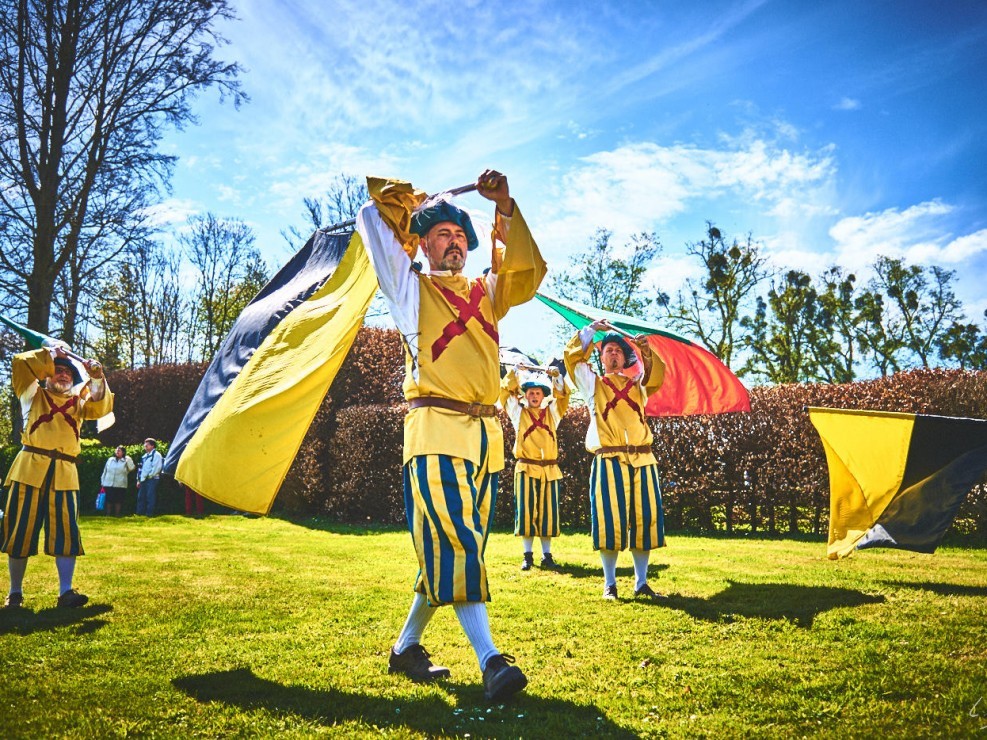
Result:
[[453, 443], [625, 499], [535, 409], [43, 481]]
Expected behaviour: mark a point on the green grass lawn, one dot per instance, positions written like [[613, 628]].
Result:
[[230, 626]]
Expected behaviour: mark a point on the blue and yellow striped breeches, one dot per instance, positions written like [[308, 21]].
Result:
[[536, 506], [449, 502], [29, 509], [625, 506]]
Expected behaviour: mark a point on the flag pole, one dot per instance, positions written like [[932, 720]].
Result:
[[526, 366], [39, 340], [632, 337], [349, 223]]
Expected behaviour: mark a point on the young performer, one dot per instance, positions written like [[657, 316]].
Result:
[[535, 409], [625, 499], [453, 443]]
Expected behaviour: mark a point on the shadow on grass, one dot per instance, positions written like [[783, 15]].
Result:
[[576, 570], [430, 715], [26, 622], [799, 605], [943, 589]]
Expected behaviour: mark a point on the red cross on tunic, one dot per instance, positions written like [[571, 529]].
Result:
[[537, 422], [55, 409], [620, 394], [467, 309]]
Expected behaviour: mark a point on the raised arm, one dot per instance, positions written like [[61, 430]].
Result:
[[395, 275]]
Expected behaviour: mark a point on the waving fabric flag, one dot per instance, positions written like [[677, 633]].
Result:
[[264, 386], [696, 382], [897, 480]]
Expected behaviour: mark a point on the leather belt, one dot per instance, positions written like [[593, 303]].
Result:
[[471, 409], [53, 454], [529, 461], [629, 449]]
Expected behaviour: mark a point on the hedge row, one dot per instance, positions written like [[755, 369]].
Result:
[[760, 471]]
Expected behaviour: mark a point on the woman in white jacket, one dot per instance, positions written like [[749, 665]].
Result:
[[114, 480]]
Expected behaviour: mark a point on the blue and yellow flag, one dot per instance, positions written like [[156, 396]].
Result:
[[897, 480], [259, 395]]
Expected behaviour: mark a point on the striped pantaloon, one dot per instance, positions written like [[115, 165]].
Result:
[[625, 506]]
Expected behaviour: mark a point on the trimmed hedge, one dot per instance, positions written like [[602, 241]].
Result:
[[761, 471]]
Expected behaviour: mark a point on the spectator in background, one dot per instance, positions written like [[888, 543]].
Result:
[[114, 481], [147, 478], [193, 501]]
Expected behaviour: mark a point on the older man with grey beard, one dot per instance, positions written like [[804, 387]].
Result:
[[43, 482]]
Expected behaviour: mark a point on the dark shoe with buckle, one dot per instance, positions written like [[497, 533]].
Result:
[[72, 599], [548, 562], [528, 561], [14, 600], [610, 592], [415, 664], [646, 592], [501, 679]]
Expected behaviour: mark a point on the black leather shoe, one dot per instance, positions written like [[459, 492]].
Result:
[[501, 680], [646, 592], [610, 592], [528, 561], [415, 664], [548, 562], [72, 599], [14, 600]]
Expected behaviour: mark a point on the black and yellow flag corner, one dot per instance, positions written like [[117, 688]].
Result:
[[897, 480]]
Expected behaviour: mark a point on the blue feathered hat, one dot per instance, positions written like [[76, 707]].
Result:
[[630, 358], [443, 210], [65, 362], [536, 384]]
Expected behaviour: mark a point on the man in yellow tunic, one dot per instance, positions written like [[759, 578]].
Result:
[[43, 481], [625, 499], [453, 443], [535, 409]]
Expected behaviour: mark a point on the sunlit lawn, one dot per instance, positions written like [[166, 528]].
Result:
[[233, 626]]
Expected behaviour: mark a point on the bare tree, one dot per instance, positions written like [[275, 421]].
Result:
[[229, 271], [342, 200], [86, 89], [601, 278], [714, 306], [923, 304]]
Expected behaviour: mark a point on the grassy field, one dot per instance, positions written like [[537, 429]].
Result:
[[260, 627]]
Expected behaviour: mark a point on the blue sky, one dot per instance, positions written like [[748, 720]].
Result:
[[834, 132]]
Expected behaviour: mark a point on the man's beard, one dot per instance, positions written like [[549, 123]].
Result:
[[452, 263], [60, 386]]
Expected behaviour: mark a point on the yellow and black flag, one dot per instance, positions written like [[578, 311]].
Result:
[[897, 480]]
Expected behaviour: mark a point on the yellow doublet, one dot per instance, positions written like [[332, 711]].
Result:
[[466, 367], [617, 422], [54, 433], [536, 443]]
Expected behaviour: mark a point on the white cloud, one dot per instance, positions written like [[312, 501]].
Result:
[[847, 104], [172, 212], [638, 187], [920, 234]]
